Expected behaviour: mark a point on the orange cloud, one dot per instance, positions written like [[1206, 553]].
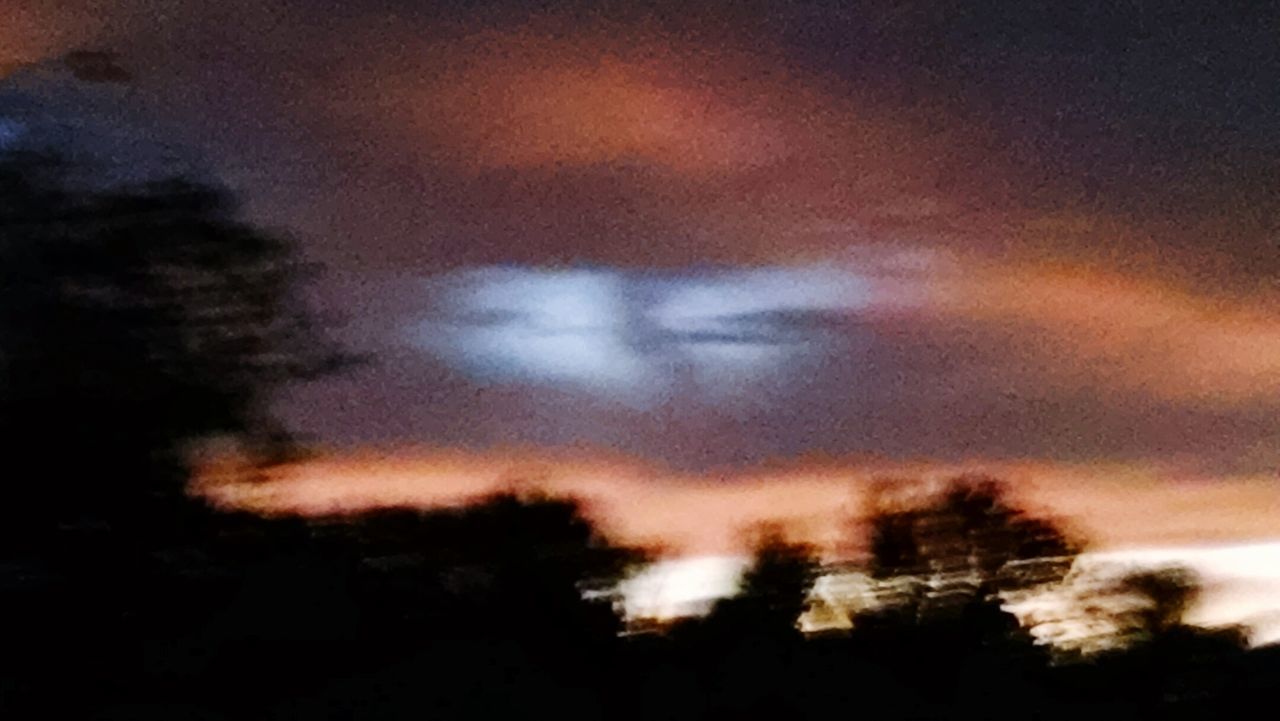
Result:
[[715, 152], [31, 32], [537, 97], [1119, 332], [602, 111]]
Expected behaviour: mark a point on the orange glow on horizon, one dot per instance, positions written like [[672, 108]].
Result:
[[1111, 506]]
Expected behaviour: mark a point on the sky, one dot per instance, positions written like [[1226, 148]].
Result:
[[1031, 237]]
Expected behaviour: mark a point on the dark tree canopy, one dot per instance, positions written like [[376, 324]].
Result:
[[1163, 595], [1129, 607], [134, 322], [966, 544], [774, 590], [518, 563]]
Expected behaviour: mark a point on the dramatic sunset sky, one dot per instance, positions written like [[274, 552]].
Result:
[[712, 265]]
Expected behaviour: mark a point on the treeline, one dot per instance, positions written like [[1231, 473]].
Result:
[[509, 606], [138, 322]]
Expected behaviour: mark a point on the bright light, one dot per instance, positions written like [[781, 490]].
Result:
[[679, 587], [560, 325], [637, 336], [1241, 586]]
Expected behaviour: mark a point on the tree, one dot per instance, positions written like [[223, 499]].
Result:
[[1163, 596], [747, 649], [964, 547], [943, 566], [1143, 639], [135, 322], [774, 590], [515, 565], [1127, 608]]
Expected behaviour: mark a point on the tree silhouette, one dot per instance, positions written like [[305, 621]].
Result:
[[965, 545], [521, 565], [746, 649], [774, 590], [1163, 665], [1136, 607], [1164, 596], [486, 608], [943, 566], [134, 322]]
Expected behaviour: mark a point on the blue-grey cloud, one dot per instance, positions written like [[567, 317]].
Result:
[[633, 335]]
